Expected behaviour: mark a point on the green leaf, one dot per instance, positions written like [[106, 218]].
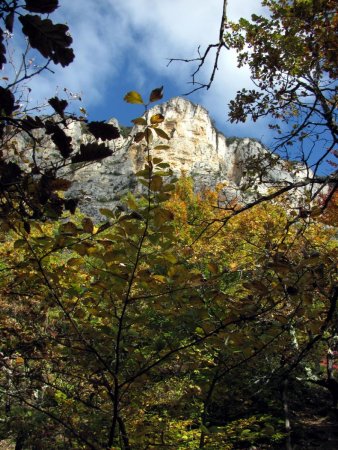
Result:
[[256, 285], [161, 147], [199, 331], [60, 139], [168, 256], [9, 21], [59, 184], [68, 228], [109, 256], [107, 213], [213, 267], [156, 183], [19, 243], [134, 98], [161, 133], [157, 160], [163, 197], [162, 216], [149, 136], [168, 187], [81, 249], [74, 261]]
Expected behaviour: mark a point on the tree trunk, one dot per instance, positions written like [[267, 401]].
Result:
[[287, 422]]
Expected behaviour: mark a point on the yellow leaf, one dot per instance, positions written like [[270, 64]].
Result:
[[19, 361], [159, 278], [168, 256], [199, 331], [74, 261], [133, 97], [156, 118], [139, 121], [213, 267]]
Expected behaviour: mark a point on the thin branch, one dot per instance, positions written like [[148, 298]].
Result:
[[203, 57]]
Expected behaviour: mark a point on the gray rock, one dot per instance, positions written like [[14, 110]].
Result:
[[244, 167]]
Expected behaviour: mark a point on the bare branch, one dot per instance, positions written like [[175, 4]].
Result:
[[203, 56]]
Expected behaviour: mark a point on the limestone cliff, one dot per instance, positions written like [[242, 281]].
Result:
[[196, 149]]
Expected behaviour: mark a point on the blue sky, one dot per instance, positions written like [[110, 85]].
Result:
[[123, 45]]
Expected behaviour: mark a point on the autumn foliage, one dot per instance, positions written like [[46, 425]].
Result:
[[179, 320]]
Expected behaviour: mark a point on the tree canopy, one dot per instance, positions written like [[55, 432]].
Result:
[[175, 322]]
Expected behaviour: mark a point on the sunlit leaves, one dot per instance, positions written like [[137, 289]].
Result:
[[292, 44], [156, 118], [161, 216], [162, 301], [133, 97], [182, 292], [139, 121]]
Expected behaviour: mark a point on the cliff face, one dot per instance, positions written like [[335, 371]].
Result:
[[196, 149]]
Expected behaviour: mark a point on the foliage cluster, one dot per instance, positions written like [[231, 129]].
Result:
[[150, 330], [30, 183], [176, 322]]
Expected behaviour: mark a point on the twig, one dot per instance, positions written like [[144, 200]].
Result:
[[202, 57]]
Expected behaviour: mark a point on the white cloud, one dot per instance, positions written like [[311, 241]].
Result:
[[125, 40]]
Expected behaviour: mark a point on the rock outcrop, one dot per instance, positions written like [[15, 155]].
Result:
[[197, 149]]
